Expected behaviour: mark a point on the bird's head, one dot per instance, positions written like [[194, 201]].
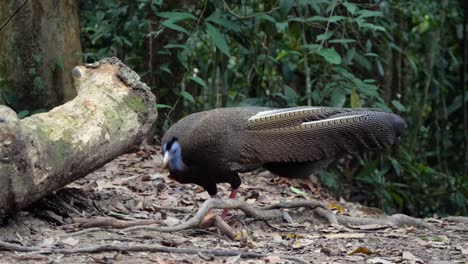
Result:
[[173, 156]]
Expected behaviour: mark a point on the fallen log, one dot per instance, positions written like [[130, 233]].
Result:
[[112, 112]]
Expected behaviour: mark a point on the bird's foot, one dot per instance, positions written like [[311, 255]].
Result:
[[231, 196]]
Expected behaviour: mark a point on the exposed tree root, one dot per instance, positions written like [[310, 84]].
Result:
[[458, 219], [264, 213], [146, 248], [396, 220], [271, 212]]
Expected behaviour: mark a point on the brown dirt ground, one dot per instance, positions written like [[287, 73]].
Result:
[[134, 187]]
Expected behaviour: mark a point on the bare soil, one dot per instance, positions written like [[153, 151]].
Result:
[[134, 187]]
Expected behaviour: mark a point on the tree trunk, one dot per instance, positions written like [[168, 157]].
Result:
[[38, 49], [112, 112]]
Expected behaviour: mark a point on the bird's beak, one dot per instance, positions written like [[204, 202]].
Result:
[[166, 159]]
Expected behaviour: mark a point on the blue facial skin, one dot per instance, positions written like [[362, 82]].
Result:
[[175, 162]]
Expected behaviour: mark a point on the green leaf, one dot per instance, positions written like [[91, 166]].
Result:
[[382, 106], [281, 26], [380, 68], [338, 97], [187, 96], [371, 54], [342, 71], [331, 19], [183, 58], [325, 36], [349, 56], [100, 16], [395, 47], [412, 64], [330, 55], [199, 81], [217, 18], [157, 2], [170, 24], [218, 39], [285, 6], [369, 13], [60, 65], [286, 52], [396, 166], [456, 103], [355, 100], [297, 191], [37, 58], [363, 61], [424, 26], [433, 238], [297, 19], [37, 111], [398, 106], [371, 26], [162, 106], [177, 16], [315, 5], [311, 47], [118, 214], [281, 55], [265, 17], [165, 68], [174, 46], [23, 114], [352, 8], [290, 93], [342, 41], [328, 179]]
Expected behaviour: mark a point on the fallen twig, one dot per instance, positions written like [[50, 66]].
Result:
[[105, 221], [459, 219], [225, 228], [396, 220], [136, 248], [174, 209]]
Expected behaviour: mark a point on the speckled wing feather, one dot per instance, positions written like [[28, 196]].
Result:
[[317, 133], [213, 138]]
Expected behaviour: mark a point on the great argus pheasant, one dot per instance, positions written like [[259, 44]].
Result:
[[213, 146]]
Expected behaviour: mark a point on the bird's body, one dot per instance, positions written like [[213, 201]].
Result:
[[213, 146]]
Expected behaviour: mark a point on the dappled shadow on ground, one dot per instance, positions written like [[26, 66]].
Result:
[[133, 187]]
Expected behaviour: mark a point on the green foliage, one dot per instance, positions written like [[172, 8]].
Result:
[[283, 53]]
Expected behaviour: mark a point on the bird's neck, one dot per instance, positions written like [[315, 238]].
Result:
[[176, 164]]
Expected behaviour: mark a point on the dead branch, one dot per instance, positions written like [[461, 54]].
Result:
[[111, 222], [183, 210], [396, 220], [271, 212], [458, 219], [139, 248], [225, 228]]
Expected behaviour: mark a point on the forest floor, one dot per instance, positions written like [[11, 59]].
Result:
[[134, 187]]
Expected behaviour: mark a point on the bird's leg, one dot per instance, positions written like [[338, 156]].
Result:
[[231, 196]]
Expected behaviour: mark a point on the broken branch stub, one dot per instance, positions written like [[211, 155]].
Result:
[[112, 112]]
